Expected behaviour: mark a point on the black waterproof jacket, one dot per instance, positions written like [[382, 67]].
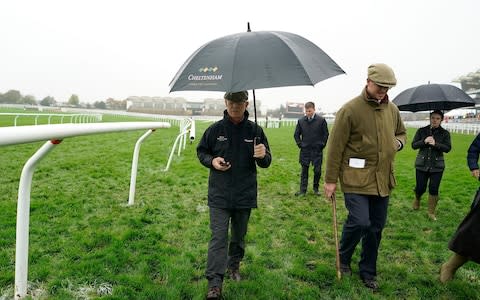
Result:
[[237, 187], [430, 158]]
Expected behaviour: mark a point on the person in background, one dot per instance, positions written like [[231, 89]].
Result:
[[465, 243], [231, 148], [364, 140], [311, 135], [432, 141]]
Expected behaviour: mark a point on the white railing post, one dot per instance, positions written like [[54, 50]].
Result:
[[192, 131], [182, 138], [133, 177], [173, 150], [23, 216]]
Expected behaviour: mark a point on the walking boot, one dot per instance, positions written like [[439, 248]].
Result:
[[448, 269], [432, 204], [416, 202]]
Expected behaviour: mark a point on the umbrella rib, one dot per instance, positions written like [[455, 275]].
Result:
[[296, 57]]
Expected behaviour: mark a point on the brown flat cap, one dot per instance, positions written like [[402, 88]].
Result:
[[382, 75]]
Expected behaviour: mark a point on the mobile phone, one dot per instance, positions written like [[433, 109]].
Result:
[[225, 164]]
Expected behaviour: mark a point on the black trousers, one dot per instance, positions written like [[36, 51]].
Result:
[[367, 215], [433, 179], [219, 256], [307, 157]]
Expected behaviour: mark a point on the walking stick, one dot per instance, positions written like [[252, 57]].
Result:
[[335, 233]]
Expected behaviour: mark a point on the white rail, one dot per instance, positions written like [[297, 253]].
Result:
[[74, 118], [133, 177], [54, 134], [453, 127], [186, 126]]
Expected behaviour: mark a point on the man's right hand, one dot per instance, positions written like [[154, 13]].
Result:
[[476, 173], [220, 164], [329, 189]]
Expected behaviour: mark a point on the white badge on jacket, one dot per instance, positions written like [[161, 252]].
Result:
[[358, 163]]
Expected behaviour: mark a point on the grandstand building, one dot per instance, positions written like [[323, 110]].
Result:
[[471, 84]]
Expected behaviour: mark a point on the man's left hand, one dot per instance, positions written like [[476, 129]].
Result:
[[259, 151]]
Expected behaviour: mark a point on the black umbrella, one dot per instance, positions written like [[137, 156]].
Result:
[[431, 97], [253, 60]]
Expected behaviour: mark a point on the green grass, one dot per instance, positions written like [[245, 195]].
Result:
[[85, 241]]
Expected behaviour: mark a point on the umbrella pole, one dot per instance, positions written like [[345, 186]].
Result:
[[335, 233], [254, 107]]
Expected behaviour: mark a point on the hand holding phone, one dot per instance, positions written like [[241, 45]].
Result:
[[225, 163]]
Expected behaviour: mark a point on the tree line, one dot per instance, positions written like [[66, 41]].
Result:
[[15, 97]]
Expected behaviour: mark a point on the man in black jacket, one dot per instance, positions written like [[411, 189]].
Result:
[[231, 148], [311, 135]]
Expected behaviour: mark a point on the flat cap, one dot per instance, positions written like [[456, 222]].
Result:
[[382, 75], [241, 96]]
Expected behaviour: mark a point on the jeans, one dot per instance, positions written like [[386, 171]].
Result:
[[367, 215], [219, 257]]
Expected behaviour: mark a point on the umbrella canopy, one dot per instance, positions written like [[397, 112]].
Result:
[[253, 60], [432, 97]]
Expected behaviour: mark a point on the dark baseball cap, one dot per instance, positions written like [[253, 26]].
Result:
[[241, 96]]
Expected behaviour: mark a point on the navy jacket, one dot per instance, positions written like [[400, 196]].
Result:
[[473, 152], [311, 137], [311, 134], [237, 187]]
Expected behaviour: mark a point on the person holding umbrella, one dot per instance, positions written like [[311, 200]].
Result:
[[231, 148], [465, 243], [311, 135], [432, 141], [367, 133]]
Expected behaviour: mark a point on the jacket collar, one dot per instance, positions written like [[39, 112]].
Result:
[[366, 96], [226, 117], [313, 117]]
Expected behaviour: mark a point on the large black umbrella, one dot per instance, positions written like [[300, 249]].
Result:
[[431, 97], [253, 60]]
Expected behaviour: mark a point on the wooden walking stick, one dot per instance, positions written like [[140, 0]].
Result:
[[335, 233]]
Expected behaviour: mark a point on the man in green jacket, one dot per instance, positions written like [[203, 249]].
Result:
[[366, 135]]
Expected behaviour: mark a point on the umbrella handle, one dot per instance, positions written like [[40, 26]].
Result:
[[335, 233]]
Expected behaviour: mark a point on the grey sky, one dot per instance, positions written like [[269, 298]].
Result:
[[113, 48]]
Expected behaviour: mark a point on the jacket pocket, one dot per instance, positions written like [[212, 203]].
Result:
[[393, 181], [439, 163], [420, 161], [355, 177]]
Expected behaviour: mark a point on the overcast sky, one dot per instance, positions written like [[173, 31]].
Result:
[[112, 48]]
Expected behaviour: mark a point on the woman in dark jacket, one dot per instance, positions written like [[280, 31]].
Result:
[[465, 242], [432, 141]]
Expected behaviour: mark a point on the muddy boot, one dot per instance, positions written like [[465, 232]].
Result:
[[448, 269], [432, 204], [416, 202]]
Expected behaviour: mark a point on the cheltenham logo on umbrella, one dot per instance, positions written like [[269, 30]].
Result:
[[206, 77], [208, 69]]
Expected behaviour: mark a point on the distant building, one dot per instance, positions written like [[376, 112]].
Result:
[[294, 110], [213, 107], [471, 84], [195, 108], [180, 106]]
